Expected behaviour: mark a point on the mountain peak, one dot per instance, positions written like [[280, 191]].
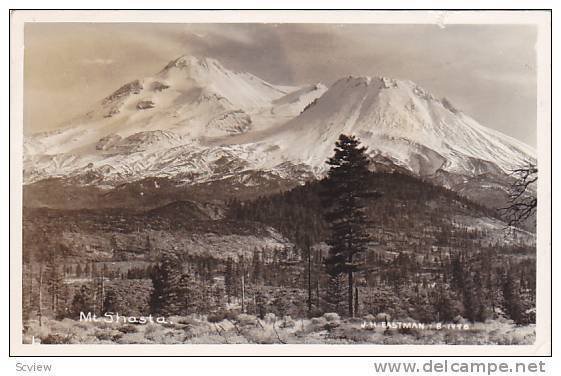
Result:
[[190, 61], [398, 119], [381, 82]]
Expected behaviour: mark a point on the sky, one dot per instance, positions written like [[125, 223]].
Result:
[[487, 71]]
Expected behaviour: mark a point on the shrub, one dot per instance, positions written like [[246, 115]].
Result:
[[383, 317], [222, 315], [56, 339], [369, 318], [246, 320], [460, 320], [319, 321], [270, 318], [287, 322], [190, 320], [331, 317], [104, 336], [355, 320], [129, 328]]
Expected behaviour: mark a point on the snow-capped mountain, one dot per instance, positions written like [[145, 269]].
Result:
[[192, 97], [400, 121], [196, 121]]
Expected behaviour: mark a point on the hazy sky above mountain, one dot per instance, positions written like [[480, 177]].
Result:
[[489, 72]]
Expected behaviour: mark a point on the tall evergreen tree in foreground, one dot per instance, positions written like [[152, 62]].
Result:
[[346, 188]]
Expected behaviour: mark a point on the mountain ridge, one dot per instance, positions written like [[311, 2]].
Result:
[[195, 121]]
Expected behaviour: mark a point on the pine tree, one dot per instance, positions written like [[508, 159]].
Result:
[[40, 298], [229, 279], [217, 292], [356, 302], [511, 298], [346, 188], [243, 280], [98, 289], [27, 292], [54, 280], [281, 303], [443, 306], [470, 298], [335, 294], [114, 248], [457, 272], [260, 304], [105, 271], [63, 304], [81, 302], [308, 251], [256, 267], [188, 298], [149, 248], [165, 278], [111, 302]]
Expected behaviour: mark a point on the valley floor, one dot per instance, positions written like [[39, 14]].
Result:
[[248, 329]]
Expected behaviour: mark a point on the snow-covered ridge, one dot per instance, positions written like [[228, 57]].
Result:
[[197, 121]]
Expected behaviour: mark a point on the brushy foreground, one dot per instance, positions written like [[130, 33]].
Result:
[[248, 329]]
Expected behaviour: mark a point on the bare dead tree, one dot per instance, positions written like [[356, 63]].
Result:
[[522, 201]]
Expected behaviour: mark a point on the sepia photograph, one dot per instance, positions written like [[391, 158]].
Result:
[[270, 182]]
